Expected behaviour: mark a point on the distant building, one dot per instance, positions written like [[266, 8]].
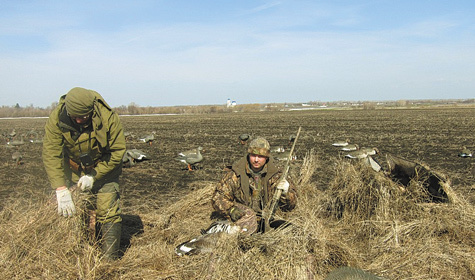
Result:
[[230, 104]]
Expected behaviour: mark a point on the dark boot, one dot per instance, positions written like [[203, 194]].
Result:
[[111, 240]]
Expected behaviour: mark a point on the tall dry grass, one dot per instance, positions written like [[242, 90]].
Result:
[[361, 219]]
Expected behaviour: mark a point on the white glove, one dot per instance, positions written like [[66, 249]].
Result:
[[65, 203], [86, 182], [284, 186]]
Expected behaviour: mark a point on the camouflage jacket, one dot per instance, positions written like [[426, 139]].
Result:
[[239, 187], [104, 141]]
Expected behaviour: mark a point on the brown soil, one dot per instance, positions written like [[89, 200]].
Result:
[[432, 136]]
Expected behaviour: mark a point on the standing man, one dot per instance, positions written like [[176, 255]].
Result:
[[246, 190], [83, 144]]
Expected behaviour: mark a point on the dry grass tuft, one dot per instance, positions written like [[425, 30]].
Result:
[[362, 219]]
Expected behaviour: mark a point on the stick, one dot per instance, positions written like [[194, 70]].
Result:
[[275, 200]]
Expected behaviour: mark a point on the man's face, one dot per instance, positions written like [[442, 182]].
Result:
[[81, 119], [257, 162]]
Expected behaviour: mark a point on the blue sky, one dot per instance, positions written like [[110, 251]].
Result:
[[165, 53]]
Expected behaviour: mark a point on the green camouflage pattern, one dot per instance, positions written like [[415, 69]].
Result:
[[259, 146], [230, 192]]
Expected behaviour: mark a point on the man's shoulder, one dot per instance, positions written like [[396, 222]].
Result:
[[239, 166]]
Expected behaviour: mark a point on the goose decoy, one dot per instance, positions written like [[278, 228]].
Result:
[[350, 147], [191, 157], [133, 156], [36, 140], [365, 154], [127, 161], [370, 151], [243, 138], [17, 157], [465, 153], [372, 163], [12, 134], [279, 149], [340, 143], [149, 138], [292, 139], [137, 154], [283, 156], [208, 238], [16, 142], [356, 154], [128, 136]]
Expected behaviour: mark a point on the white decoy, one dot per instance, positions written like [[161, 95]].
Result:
[[465, 153], [340, 143], [279, 149], [284, 156], [208, 238], [191, 157], [350, 147]]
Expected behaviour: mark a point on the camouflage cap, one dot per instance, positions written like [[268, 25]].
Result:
[[79, 101], [259, 146]]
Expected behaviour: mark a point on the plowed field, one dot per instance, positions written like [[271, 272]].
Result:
[[432, 136]]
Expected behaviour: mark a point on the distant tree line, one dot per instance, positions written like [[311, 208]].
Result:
[[134, 109], [18, 111]]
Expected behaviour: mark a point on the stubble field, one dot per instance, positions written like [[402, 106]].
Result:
[[430, 136]]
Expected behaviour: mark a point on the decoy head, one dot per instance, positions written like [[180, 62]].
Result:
[[243, 138]]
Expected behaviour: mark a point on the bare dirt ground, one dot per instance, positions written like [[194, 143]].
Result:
[[431, 136]]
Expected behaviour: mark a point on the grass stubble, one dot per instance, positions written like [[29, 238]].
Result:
[[356, 217]]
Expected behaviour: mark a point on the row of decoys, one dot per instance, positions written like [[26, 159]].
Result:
[[194, 156], [353, 151], [148, 138], [280, 153], [15, 140]]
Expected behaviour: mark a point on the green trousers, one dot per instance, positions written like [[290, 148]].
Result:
[[105, 200]]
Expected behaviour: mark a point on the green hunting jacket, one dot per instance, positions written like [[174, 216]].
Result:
[[104, 141]]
